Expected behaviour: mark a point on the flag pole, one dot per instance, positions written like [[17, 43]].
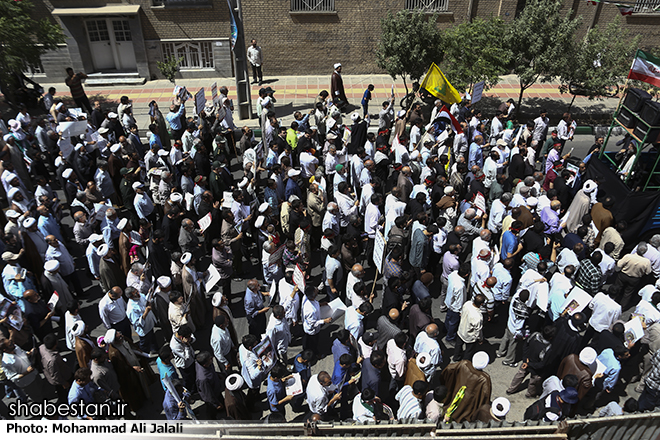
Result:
[[625, 86]]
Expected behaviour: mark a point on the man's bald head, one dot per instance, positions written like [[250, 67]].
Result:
[[357, 270], [394, 314], [491, 281], [406, 170], [432, 330], [459, 230], [555, 205], [485, 235]]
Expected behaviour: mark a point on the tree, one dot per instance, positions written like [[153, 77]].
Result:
[[540, 41], [485, 60], [23, 39], [409, 43], [599, 62], [169, 68]]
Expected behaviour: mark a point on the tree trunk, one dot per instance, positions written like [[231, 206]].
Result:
[[520, 97], [571, 104], [405, 83]]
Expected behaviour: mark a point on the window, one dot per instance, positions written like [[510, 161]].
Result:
[[647, 6], [122, 30], [428, 5], [312, 5], [34, 70], [98, 30], [195, 55]]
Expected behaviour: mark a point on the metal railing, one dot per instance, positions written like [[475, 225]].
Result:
[[312, 5], [646, 6], [181, 3], [433, 5]]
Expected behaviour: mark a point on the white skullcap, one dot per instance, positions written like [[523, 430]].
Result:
[[103, 130], [293, 197], [234, 382], [263, 207], [589, 186], [58, 161], [115, 148], [552, 416], [401, 113], [337, 65], [95, 238], [137, 185], [186, 258], [59, 106], [162, 152], [260, 221], [423, 360], [164, 282], [78, 147], [102, 251], [480, 360], [12, 192], [501, 407], [355, 116], [52, 265], [176, 197], [588, 356], [110, 336], [243, 183], [414, 155], [293, 172], [112, 115], [29, 222], [10, 213], [122, 223], [67, 173], [78, 329], [532, 201], [449, 190], [217, 299]]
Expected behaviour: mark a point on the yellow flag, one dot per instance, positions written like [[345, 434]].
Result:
[[437, 85]]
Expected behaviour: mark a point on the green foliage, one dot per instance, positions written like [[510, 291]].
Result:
[[22, 39], [409, 43], [169, 68], [475, 51], [541, 41], [599, 61]]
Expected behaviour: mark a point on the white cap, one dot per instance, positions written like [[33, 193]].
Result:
[[293, 172], [532, 201], [115, 148], [112, 115], [176, 197], [186, 258], [501, 407], [137, 185], [243, 183], [103, 130], [78, 329], [78, 147], [102, 251], [12, 192], [588, 356], [355, 116], [260, 221], [10, 213], [448, 190], [234, 382], [263, 207], [58, 161], [122, 224], [164, 282], [59, 106], [52, 265], [589, 186], [217, 299], [67, 173], [480, 360], [95, 238], [29, 222]]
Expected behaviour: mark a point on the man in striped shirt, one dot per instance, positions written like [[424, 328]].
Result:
[[410, 400]]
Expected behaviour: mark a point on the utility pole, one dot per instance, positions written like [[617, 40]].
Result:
[[243, 91]]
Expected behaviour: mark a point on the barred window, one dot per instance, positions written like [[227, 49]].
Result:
[[193, 54], [647, 6], [312, 5], [428, 5], [181, 3]]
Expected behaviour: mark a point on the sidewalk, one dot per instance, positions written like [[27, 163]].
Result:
[[298, 93]]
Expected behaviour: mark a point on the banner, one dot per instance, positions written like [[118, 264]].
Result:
[[645, 68], [200, 101], [478, 91], [234, 28], [437, 85]]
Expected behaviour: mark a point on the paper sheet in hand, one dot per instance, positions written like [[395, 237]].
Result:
[[77, 112], [299, 278], [266, 352], [334, 309], [634, 331], [576, 301], [99, 210], [479, 202], [205, 222], [213, 278], [16, 319], [52, 302], [5, 304], [73, 128], [189, 198], [277, 255], [347, 135], [227, 199], [600, 369], [294, 385]]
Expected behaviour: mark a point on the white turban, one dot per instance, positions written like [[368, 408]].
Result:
[[480, 360], [78, 329], [102, 251], [164, 282], [337, 65], [217, 299], [186, 258], [501, 407], [110, 336], [234, 382]]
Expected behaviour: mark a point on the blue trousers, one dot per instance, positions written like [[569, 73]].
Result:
[[451, 324]]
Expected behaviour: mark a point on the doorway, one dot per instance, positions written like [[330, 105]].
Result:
[[111, 44]]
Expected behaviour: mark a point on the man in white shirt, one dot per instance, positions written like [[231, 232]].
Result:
[[397, 360], [308, 163], [455, 299], [221, 342], [496, 127], [312, 322], [353, 318], [470, 328], [498, 211], [540, 126], [255, 57], [142, 319], [112, 309], [605, 312], [490, 168], [319, 390], [426, 342], [279, 333], [607, 263]]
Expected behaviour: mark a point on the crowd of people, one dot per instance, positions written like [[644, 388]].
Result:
[[488, 219]]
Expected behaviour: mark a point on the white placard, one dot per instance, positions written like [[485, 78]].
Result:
[[200, 101], [72, 128], [266, 352], [634, 331], [294, 385], [276, 256], [212, 278], [52, 302], [576, 301], [227, 199], [478, 91], [480, 202], [189, 198], [334, 309], [205, 222], [214, 92], [379, 251], [299, 278]]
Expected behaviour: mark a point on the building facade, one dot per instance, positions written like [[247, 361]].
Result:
[[126, 38]]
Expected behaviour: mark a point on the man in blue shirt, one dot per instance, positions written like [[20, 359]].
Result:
[[276, 390], [365, 100], [612, 361], [154, 139], [174, 118], [371, 369], [164, 364], [254, 308], [476, 156], [511, 245], [82, 389], [344, 368]]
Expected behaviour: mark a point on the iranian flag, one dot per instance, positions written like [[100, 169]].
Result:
[[446, 114], [645, 68]]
